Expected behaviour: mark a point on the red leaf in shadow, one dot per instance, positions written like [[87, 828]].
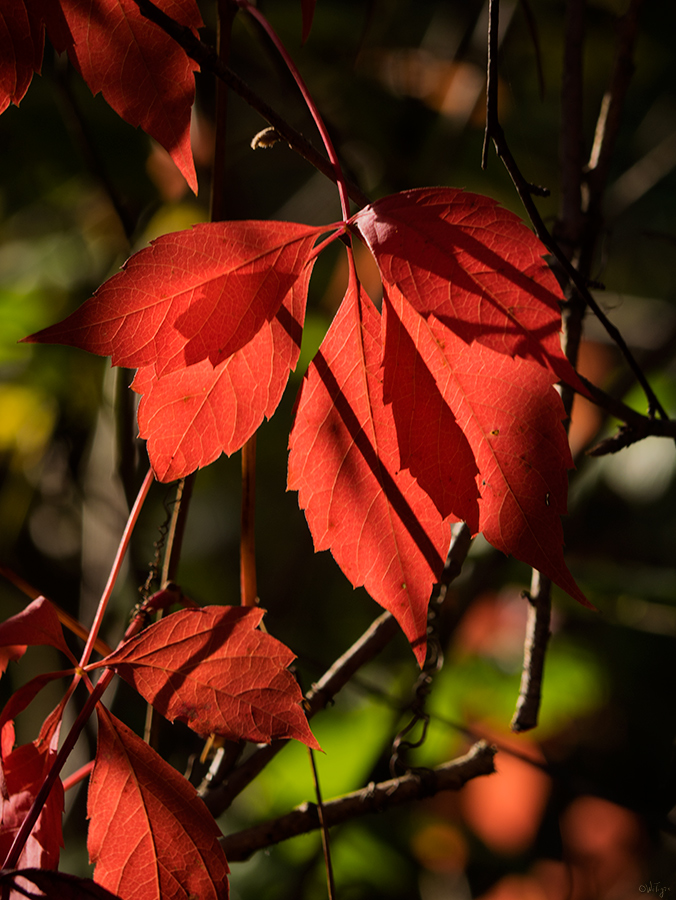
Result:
[[142, 73], [21, 44]]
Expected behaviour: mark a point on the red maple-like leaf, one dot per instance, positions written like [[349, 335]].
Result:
[[381, 527], [150, 836], [190, 416], [21, 44], [511, 417], [198, 294], [214, 670], [475, 266], [142, 73], [22, 771]]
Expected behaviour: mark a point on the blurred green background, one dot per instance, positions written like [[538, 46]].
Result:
[[401, 85]]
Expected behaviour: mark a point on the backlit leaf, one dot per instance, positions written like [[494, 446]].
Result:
[[150, 836], [214, 670], [192, 295], [190, 416], [475, 266], [381, 527], [511, 416]]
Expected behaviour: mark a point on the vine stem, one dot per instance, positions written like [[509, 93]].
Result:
[[291, 66], [117, 565]]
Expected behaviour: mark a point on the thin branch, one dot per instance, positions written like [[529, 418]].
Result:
[[525, 190], [450, 776], [321, 819], [572, 144], [208, 60], [218, 796], [534, 651]]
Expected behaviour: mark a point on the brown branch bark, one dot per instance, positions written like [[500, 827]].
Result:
[[450, 776]]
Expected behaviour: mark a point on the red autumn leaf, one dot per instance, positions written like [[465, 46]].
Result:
[[198, 294], [190, 416], [53, 884], [382, 528], [431, 443], [214, 670], [511, 416], [22, 771], [37, 624], [475, 266], [21, 43], [142, 73], [150, 836]]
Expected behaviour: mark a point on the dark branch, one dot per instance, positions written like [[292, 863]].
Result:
[[450, 776], [534, 651], [525, 190]]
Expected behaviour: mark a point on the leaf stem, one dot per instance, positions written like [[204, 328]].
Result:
[[117, 565], [247, 546], [314, 112]]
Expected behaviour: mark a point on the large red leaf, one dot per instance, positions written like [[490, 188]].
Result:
[[214, 670], [150, 836], [511, 416], [22, 771], [21, 42], [190, 416], [475, 266], [382, 528], [192, 295], [142, 73]]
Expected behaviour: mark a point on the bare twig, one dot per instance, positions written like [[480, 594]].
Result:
[[321, 818], [208, 60], [525, 190], [374, 798], [218, 796], [535, 646]]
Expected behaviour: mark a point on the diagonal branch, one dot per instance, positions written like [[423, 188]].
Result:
[[208, 60], [450, 776]]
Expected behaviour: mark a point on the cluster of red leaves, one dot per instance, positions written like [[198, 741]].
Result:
[[439, 408], [150, 835]]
